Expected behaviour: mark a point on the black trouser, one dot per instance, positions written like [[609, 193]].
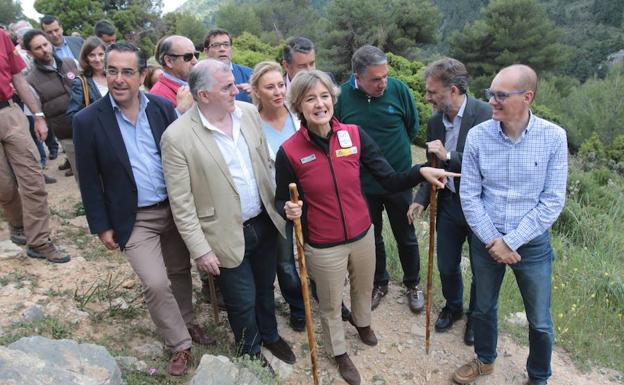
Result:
[[396, 205]]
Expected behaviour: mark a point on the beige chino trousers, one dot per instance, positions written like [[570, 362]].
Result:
[[22, 191], [329, 267], [159, 257]]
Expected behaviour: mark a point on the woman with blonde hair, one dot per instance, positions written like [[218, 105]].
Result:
[[278, 123]]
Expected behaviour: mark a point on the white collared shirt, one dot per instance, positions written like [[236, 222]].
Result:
[[452, 135], [236, 155]]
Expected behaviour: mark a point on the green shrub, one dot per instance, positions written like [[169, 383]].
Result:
[[592, 147], [615, 151]]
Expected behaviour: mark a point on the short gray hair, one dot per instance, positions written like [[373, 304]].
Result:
[[201, 75], [366, 56], [303, 82]]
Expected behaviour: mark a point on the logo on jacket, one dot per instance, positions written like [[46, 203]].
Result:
[[391, 110], [308, 159]]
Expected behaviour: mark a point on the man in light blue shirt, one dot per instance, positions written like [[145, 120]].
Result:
[[117, 141], [64, 46], [514, 173]]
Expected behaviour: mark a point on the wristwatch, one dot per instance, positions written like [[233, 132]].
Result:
[[39, 114], [448, 155]]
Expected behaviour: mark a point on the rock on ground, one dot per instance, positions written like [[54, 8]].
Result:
[[39, 360], [219, 370], [9, 249]]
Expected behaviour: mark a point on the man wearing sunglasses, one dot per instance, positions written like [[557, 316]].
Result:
[[177, 56], [514, 172], [218, 45]]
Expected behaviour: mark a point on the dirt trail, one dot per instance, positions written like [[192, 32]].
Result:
[[398, 359]]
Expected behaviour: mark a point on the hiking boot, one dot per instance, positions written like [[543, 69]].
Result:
[[378, 293], [347, 369], [471, 371], [48, 179], [64, 166], [367, 335], [179, 362], [17, 235], [415, 299], [48, 251]]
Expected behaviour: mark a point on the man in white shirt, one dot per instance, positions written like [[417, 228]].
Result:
[[219, 180]]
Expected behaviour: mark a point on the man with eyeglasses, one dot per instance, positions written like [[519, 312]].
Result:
[[52, 77], [123, 189], [177, 56], [218, 45], [455, 113], [513, 188]]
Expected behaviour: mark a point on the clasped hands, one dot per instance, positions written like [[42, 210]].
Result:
[[501, 253]]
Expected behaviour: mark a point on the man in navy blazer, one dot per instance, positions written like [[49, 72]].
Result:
[[117, 142], [446, 82]]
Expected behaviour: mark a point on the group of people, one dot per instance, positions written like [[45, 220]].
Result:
[[196, 167]]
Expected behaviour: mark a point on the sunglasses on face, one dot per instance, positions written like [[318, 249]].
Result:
[[501, 96], [186, 56]]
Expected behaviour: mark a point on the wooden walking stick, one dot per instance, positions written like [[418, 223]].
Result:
[[303, 275], [213, 297], [432, 224]]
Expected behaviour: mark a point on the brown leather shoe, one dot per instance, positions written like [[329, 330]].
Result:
[[178, 363], [471, 371], [48, 251], [347, 370], [415, 299], [378, 293], [199, 337], [367, 335]]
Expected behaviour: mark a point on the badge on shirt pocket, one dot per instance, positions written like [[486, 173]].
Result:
[[346, 151]]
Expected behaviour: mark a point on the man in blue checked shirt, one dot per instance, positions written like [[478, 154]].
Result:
[[513, 188]]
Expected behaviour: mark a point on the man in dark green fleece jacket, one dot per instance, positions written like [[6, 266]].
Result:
[[384, 108]]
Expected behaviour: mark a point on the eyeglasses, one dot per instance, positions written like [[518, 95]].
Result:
[[187, 57], [125, 73], [501, 96], [219, 45]]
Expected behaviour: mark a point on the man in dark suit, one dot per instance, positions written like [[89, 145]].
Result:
[[117, 142], [64, 46], [446, 81]]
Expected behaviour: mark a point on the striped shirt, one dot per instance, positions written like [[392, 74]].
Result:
[[513, 190]]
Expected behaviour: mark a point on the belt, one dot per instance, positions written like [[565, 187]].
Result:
[[4, 104], [252, 221], [156, 205]]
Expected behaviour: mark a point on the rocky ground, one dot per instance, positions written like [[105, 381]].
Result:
[[96, 298]]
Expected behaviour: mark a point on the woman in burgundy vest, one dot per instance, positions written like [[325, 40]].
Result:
[[323, 158]]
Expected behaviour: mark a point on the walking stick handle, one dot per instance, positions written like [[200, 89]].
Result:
[[303, 275]]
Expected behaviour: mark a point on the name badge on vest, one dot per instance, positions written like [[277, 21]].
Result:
[[308, 159], [344, 139], [346, 151]]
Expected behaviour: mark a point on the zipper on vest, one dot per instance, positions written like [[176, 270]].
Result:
[[331, 169]]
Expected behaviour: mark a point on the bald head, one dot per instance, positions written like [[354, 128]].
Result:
[[523, 76], [201, 76]]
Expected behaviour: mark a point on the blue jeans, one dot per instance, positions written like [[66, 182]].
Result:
[[533, 276], [396, 205], [287, 275], [248, 288], [452, 232], [42, 153]]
